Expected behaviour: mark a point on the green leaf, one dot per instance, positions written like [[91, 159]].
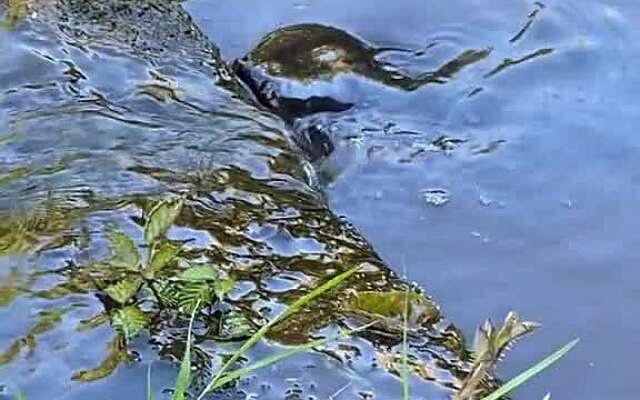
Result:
[[531, 372], [123, 251], [489, 346], [116, 354], [491, 342], [160, 219], [235, 325], [511, 330], [223, 286], [405, 346], [19, 395], [167, 292], [92, 322], [162, 255], [123, 290], [293, 308], [11, 353], [184, 375], [272, 359], [149, 389], [200, 273], [129, 321], [192, 294]]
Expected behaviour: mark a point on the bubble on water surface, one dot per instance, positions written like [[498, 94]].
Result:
[[436, 196]]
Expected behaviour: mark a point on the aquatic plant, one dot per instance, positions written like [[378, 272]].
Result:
[[128, 278], [167, 277], [490, 345], [222, 377], [218, 380]]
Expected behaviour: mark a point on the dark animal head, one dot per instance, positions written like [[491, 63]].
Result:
[[314, 139]]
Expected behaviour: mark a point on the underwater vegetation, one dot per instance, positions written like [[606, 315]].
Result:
[[141, 285]]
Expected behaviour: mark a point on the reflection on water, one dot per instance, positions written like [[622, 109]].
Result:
[[107, 107], [311, 52], [112, 106]]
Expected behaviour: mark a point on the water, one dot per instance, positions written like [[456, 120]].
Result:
[[529, 205]]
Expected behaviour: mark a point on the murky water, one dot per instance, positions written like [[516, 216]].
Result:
[[509, 185]]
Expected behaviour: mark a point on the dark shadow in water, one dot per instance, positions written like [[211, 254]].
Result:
[[509, 62], [530, 19]]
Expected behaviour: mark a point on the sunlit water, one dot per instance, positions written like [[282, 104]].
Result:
[[529, 205]]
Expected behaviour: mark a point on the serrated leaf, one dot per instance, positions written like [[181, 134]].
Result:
[[223, 286], [123, 290], [194, 293], [490, 342], [235, 325], [200, 273], [129, 321], [161, 218], [116, 354], [511, 330], [167, 293], [162, 255], [123, 251]]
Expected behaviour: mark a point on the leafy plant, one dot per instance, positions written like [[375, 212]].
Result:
[[532, 371], [129, 321], [127, 318], [293, 308], [223, 377], [197, 284], [136, 280], [490, 344], [489, 348]]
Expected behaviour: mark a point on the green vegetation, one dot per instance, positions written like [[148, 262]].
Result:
[[532, 371], [490, 344], [293, 308], [164, 275]]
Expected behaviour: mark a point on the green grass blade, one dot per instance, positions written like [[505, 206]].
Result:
[[272, 359], [149, 390], [19, 396], [405, 348], [182, 381], [531, 372], [293, 308]]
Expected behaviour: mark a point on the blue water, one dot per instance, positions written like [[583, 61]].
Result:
[[534, 209]]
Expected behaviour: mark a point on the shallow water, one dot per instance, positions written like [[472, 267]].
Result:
[[533, 210]]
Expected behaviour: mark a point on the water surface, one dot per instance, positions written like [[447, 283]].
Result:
[[511, 185]]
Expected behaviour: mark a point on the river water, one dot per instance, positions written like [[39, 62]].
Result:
[[511, 185]]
